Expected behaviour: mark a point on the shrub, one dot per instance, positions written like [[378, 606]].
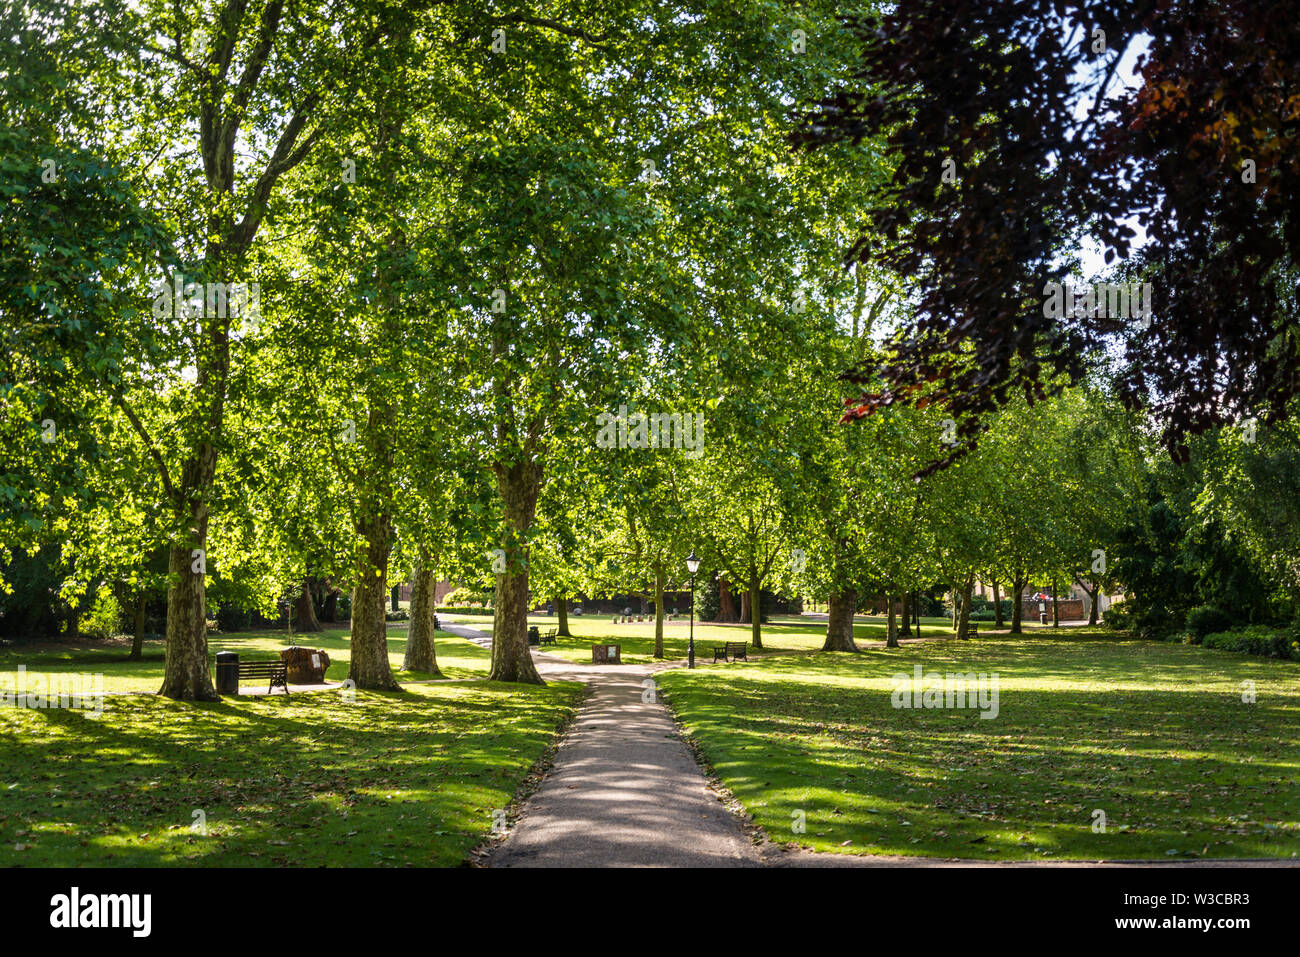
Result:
[[467, 598], [399, 615], [1270, 641], [1157, 622], [1117, 617], [104, 620], [1204, 619]]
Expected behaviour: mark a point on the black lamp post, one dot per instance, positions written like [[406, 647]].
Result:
[[693, 566]]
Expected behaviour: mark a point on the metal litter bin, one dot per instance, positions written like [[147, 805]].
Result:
[[227, 672]]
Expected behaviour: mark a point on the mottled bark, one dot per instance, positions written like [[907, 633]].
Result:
[[421, 653], [963, 626], [511, 660], [305, 610], [562, 614], [839, 621], [1017, 607], [891, 631], [137, 639], [726, 604], [369, 644], [659, 612], [518, 486], [186, 676]]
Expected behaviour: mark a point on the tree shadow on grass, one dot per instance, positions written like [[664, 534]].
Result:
[[392, 778], [1160, 741]]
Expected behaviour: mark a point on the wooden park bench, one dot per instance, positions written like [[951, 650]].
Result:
[[549, 637], [731, 651], [275, 671]]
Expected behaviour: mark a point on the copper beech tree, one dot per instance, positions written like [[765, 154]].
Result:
[[1012, 136]]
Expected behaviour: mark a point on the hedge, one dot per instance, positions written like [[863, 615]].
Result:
[[1271, 641]]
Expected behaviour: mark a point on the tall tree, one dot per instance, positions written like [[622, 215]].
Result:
[[1011, 140]]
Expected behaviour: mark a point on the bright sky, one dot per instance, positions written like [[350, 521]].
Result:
[[1092, 260]]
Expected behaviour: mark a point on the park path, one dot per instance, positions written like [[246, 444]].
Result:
[[623, 789]]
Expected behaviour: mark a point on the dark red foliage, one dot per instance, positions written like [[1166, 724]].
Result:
[[994, 87]]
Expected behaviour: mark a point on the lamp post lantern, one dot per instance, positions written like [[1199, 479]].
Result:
[[692, 566]]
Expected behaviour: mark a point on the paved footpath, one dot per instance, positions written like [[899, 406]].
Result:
[[624, 791]]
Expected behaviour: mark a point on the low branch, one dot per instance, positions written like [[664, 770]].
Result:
[[148, 443], [576, 33]]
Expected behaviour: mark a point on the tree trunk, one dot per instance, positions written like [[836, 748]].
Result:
[[397, 598], [1093, 594], [916, 611], [137, 640], [744, 608], [562, 613], [839, 621], [511, 660], [421, 653], [963, 628], [186, 676], [370, 668], [1056, 610], [659, 612], [755, 613], [518, 486], [1017, 608], [997, 606], [331, 609], [307, 620], [891, 631], [726, 604]]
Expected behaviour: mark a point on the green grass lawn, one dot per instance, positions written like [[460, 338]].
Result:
[[457, 657], [638, 638], [1155, 735], [384, 780]]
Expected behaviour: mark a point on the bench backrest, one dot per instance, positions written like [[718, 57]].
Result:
[[260, 669]]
